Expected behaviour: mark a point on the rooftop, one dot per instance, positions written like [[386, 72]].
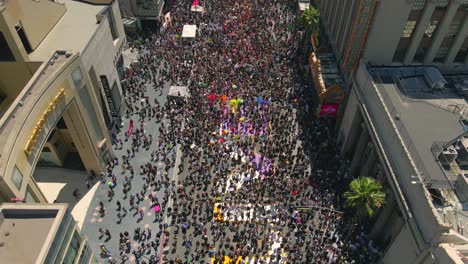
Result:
[[429, 113], [25, 230], [418, 109], [72, 32]]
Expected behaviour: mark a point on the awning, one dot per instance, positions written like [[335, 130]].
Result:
[[178, 91], [189, 31]]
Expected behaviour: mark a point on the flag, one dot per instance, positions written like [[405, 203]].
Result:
[[130, 130], [195, 2]]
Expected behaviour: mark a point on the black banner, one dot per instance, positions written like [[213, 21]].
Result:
[[107, 92]]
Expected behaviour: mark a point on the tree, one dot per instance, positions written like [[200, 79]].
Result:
[[310, 19], [365, 196], [309, 22]]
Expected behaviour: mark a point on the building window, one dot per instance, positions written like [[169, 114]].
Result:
[[30, 197], [444, 48], [408, 30], [77, 77], [86, 99], [2, 97], [23, 38], [17, 178], [116, 96], [441, 53], [418, 5], [73, 249], [453, 28], [461, 55], [46, 149], [401, 49], [5, 51], [443, 3], [431, 28], [110, 18]]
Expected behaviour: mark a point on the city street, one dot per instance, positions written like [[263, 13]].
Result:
[[131, 221], [237, 170]]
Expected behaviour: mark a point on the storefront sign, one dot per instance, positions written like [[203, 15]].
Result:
[[38, 128], [107, 92], [329, 109]]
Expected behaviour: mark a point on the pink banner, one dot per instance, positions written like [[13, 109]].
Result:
[[130, 129], [195, 2], [329, 109]]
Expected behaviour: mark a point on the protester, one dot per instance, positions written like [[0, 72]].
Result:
[[258, 175]]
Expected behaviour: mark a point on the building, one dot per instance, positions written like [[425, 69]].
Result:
[[45, 233], [406, 126], [405, 119], [397, 32], [143, 11], [60, 89]]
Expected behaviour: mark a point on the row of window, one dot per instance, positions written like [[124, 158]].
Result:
[[429, 31], [420, 4]]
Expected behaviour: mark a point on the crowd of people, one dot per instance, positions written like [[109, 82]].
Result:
[[255, 176]]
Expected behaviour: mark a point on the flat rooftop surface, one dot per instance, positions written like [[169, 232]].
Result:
[[25, 240], [73, 31], [426, 120]]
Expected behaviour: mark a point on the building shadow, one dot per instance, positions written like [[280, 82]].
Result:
[[58, 184]]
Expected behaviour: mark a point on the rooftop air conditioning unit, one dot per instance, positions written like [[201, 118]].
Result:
[[462, 158], [448, 155], [434, 78]]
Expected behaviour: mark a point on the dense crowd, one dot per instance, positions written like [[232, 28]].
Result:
[[258, 176]]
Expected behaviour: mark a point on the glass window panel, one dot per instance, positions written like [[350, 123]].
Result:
[[418, 5], [86, 99], [64, 242], [54, 248], [461, 54], [431, 28], [443, 3], [116, 97], [77, 77], [409, 28], [17, 178], [30, 197], [453, 28], [73, 249]]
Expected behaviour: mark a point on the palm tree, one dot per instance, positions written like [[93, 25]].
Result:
[[365, 196], [310, 19]]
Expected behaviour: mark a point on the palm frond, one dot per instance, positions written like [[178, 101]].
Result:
[[365, 195]]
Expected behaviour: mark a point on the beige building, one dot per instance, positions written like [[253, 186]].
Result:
[[407, 127], [142, 9], [405, 123], [397, 32], [45, 233], [60, 88]]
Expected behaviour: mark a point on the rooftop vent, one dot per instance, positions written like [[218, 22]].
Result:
[[448, 155], [434, 78]]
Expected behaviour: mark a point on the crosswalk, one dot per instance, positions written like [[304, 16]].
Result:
[[269, 257]]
